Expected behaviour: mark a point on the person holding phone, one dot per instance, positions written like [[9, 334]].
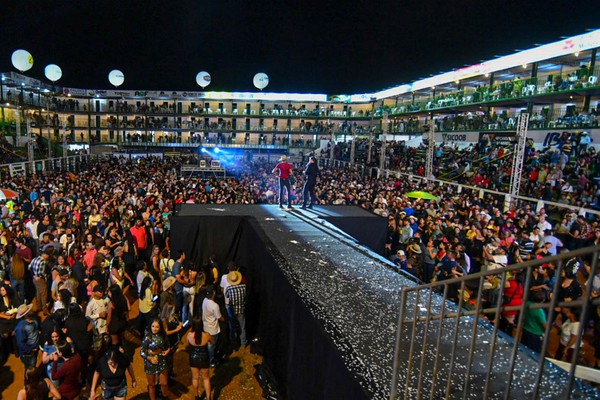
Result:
[[69, 373], [147, 303], [155, 349]]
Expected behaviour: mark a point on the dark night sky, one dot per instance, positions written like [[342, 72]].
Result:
[[304, 46]]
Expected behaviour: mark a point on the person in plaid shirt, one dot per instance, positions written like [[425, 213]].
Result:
[[38, 270], [236, 295]]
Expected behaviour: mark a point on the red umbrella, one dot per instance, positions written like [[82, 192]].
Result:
[[7, 194]]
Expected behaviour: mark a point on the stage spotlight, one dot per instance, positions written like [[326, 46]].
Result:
[[217, 150], [203, 150]]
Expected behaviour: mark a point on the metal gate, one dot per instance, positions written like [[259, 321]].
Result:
[[445, 350]]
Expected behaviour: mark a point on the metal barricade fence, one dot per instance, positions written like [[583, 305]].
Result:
[[59, 164], [446, 351]]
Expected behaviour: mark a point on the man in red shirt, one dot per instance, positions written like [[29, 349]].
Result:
[[284, 170], [140, 238]]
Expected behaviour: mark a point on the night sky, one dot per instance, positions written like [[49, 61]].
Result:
[[305, 46]]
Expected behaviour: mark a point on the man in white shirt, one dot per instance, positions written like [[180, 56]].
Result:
[[543, 224], [97, 310], [32, 226], [211, 316], [224, 283]]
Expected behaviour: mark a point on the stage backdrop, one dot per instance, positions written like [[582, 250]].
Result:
[[301, 355]]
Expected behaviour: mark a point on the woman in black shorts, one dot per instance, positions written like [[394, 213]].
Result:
[[110, 371], [198, 341]]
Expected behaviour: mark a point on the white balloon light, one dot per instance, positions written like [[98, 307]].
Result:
[[261, 80], [22, 60], [203, 79], [53, 72], [116, 77]]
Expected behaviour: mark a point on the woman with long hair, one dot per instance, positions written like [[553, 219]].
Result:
[[116, 320], [171, 326], [147, 305], [37, 387], [49, 348], [154, 352], [111, 373], [17, 277], [155, 262], [8, 309], [188, 275], [198, 341]]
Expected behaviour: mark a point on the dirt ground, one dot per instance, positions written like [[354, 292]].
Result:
[[233, 379]]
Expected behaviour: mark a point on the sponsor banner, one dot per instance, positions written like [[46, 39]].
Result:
[[499, 138], [456, 137], [541, 138], [97, 93], [75, 92], [25, 79]]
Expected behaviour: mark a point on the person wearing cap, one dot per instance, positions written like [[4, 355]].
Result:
[[405, 234], [284, 171], [118, 272], [311, 172], [584, 142], [400, 259], [27, 335], [32, 226], [236, 295]]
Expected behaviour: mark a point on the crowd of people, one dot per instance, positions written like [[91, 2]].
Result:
[[564, 173], [78, 249]]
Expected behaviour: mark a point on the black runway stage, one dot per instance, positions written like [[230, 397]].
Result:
[[325, 304]]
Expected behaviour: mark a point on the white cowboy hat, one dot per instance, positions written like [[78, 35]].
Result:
[[23, 310], [167, 283]]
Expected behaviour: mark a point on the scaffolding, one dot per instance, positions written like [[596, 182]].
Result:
[[518, 158], [430, 151]]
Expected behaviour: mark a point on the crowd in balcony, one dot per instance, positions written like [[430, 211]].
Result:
[[516, 88], [564, 173]]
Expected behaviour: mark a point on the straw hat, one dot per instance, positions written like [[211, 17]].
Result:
[[234, 278], [167, 283], [415, 248], [23, 310]]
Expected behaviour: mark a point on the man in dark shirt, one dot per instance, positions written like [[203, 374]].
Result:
[[27, 335], [311, 172]]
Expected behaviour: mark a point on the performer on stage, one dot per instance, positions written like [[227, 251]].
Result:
[[311, 172], [284, 170]]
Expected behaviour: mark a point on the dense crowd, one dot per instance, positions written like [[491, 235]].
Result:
[[82, 247], [566, 173]]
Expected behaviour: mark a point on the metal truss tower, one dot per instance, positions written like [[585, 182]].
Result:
[[384, 128], [430, 150], [518, 157], [353, 145]]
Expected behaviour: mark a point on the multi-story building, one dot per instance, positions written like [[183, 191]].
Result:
[[556, 83]]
